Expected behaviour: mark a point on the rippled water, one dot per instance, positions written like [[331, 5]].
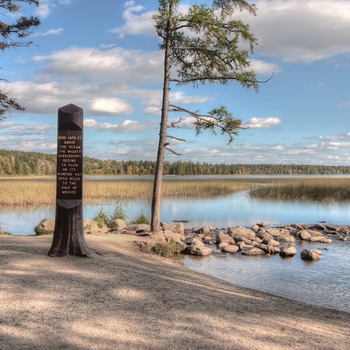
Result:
[[325, 282]]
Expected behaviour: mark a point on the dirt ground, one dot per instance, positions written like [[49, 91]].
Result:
[[120, 298]]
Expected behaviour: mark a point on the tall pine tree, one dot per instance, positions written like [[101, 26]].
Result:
[[203, 45]]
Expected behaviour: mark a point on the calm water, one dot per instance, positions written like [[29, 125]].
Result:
[[326, 282]]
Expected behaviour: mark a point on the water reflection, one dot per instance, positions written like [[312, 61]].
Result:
[[224, 211]]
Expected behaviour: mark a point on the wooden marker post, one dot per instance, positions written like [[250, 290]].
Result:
[[68, 238]]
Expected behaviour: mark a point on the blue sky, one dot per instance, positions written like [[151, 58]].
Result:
[[103, 56]]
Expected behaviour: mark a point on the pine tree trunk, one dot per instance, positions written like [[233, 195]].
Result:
[[158, 177]]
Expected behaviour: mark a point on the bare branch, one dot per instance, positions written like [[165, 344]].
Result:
[[172, 151], [175, 138]]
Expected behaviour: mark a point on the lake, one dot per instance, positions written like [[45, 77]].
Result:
[[325, 283]]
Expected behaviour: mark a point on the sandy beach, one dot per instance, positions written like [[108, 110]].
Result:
[[121, 298]]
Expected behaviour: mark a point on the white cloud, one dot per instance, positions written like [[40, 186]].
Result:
[[136, 21], [152, 110], [259, 123], [50, 32], [110, 106], [46, 7], [127, 126], [302, 30], [180, 97], [117, 64]]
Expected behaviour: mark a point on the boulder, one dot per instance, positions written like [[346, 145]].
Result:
[[231, 248], [240, 233], [198, 248], [178, 228], [287, 239], [263, 234], [117, 224], [224, 238], [320, 239], [268, 249], [278, 232], [45, 227], [171, 235], [304, 235], [138, 227], [253, 251], [271, 242], [288, 251], [311, 255], [202, 230]]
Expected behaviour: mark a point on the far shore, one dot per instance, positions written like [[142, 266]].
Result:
[[121, 298]]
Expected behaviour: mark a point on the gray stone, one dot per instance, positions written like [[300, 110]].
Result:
[[45, 227], [240, 233], [310, 255], [253, 251], [288, 251], [117, 224], [231, 248], [224, 238], [320, 239]]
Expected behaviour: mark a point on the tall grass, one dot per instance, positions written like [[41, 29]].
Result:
[[23, 192], [305, 189]]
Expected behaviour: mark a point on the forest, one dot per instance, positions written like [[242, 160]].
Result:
[[19, 163]]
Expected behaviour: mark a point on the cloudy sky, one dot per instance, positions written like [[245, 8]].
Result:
[[103, 57]]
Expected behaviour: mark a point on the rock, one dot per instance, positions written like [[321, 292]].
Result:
[[138, 227], [45, 227], [240, 233], [224, 238], [263, 224], [277, 232], [198, 248], [271, 242], [171, 235], [253, 251], [320, 239], [222, 245], [263, 234], [231, 248], [255, 228], [202, 230], [164, 226], [303, 235], [178, 228], [117, 224], [268, 249], [287, 239], [288, 251], [310, 255]]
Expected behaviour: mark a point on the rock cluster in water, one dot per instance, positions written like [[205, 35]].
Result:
[[259, 240]]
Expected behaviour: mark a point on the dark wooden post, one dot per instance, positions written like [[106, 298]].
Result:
[[68, 238]]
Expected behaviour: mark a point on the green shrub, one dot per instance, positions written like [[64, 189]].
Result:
[[4, 232], [167, 250], [141, 219], [101, 218], [118, 213]]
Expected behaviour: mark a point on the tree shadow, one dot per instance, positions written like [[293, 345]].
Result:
[[118, 298]]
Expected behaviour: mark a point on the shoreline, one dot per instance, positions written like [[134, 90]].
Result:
[[121, 298]]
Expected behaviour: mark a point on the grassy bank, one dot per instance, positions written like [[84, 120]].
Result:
[[305, 189], [23, 192], [29, 191]]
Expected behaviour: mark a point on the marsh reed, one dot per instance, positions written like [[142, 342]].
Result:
[[23, 192], [305, 189]]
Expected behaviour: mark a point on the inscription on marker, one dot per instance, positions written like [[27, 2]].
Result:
[[69, 164]]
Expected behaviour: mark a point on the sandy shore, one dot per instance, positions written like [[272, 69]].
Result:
[[119, 298]]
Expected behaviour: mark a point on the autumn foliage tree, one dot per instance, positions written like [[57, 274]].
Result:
[[14, 35], [202, 45]]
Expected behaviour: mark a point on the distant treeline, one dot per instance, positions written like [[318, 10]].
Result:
[[34, 163]]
